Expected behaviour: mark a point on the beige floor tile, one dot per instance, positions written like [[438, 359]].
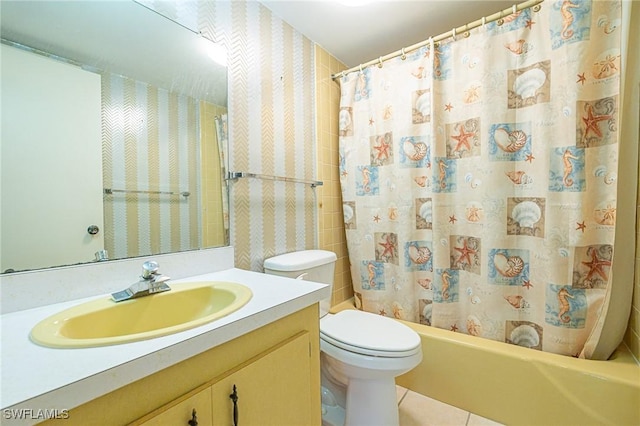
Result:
[[400, 393], [418, 410], [475, 420]]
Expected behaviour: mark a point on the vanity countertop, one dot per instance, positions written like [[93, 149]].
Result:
[[36, 377]]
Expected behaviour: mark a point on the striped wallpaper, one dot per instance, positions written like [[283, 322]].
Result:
[[271, 124], [149, 138], [272, 131]]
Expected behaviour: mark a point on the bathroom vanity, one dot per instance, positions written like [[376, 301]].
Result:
[[273, 387], [268, 349], [273, 369]]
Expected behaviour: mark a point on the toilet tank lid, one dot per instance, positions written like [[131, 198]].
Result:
[[299, 260]]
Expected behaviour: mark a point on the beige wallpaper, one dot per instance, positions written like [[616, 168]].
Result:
[[283, 121], [149, 138], [271, 124], [271, 110]]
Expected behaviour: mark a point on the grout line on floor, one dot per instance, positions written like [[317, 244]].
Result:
[[468, 418], [406, 391]]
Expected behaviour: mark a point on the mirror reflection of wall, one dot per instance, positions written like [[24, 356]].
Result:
[[156, 129], [215, 206], [150, 137]]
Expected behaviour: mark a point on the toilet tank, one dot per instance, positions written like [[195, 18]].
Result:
[[309, 265]]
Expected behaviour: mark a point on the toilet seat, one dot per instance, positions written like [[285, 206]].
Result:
[[369, 334]]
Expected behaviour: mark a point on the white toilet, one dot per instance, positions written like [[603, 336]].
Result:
[[361, 352]]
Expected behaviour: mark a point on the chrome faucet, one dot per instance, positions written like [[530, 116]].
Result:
[[151, 282]]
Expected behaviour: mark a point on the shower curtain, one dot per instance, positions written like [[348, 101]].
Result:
[[479, 177]]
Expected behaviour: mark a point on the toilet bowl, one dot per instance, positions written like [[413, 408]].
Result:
[[361, 353], [364, 353]]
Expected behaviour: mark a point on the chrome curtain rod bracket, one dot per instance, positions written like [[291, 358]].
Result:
[[111, 191], [239, 175]]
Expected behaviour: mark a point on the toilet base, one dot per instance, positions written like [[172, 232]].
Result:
[[333, 415], [372, 402]]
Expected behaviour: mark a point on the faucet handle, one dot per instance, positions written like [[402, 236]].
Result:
[[149, 269]]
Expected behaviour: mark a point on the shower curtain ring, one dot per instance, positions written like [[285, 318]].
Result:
[[360, 67], [454, 33], [514, 9], [380, 62], [500, 20], [404, 56], [484, 21]]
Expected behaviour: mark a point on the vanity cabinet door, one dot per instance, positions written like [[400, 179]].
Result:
[[181, 412], [274, 389]]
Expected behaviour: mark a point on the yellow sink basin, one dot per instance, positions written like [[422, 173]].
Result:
[[104, 322]]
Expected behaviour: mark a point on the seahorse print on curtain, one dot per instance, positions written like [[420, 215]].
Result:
[[479, 177]]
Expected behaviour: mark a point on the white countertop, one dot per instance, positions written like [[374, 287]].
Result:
[[36, 377]]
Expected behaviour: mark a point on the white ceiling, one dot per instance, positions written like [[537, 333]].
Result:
[[355, 35]]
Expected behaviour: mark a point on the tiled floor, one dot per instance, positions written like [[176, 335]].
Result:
[[418, 410]]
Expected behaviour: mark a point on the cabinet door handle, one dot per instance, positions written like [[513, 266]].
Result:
[[234, 398], [194, 419]]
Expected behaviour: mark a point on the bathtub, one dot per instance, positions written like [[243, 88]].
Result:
[[519, 386]]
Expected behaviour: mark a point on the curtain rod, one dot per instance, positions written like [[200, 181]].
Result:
[[463, 30]]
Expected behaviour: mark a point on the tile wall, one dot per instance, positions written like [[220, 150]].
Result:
[[330, 219]]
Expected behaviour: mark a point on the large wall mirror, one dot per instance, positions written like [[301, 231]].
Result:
[[113, 134]]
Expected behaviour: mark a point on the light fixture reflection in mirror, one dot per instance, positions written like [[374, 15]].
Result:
[[213, 50], [157, 92]]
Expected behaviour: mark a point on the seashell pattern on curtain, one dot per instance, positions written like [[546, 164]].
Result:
[[479, 178]]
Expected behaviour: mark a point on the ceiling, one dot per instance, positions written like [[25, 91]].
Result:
[[358, 34]]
